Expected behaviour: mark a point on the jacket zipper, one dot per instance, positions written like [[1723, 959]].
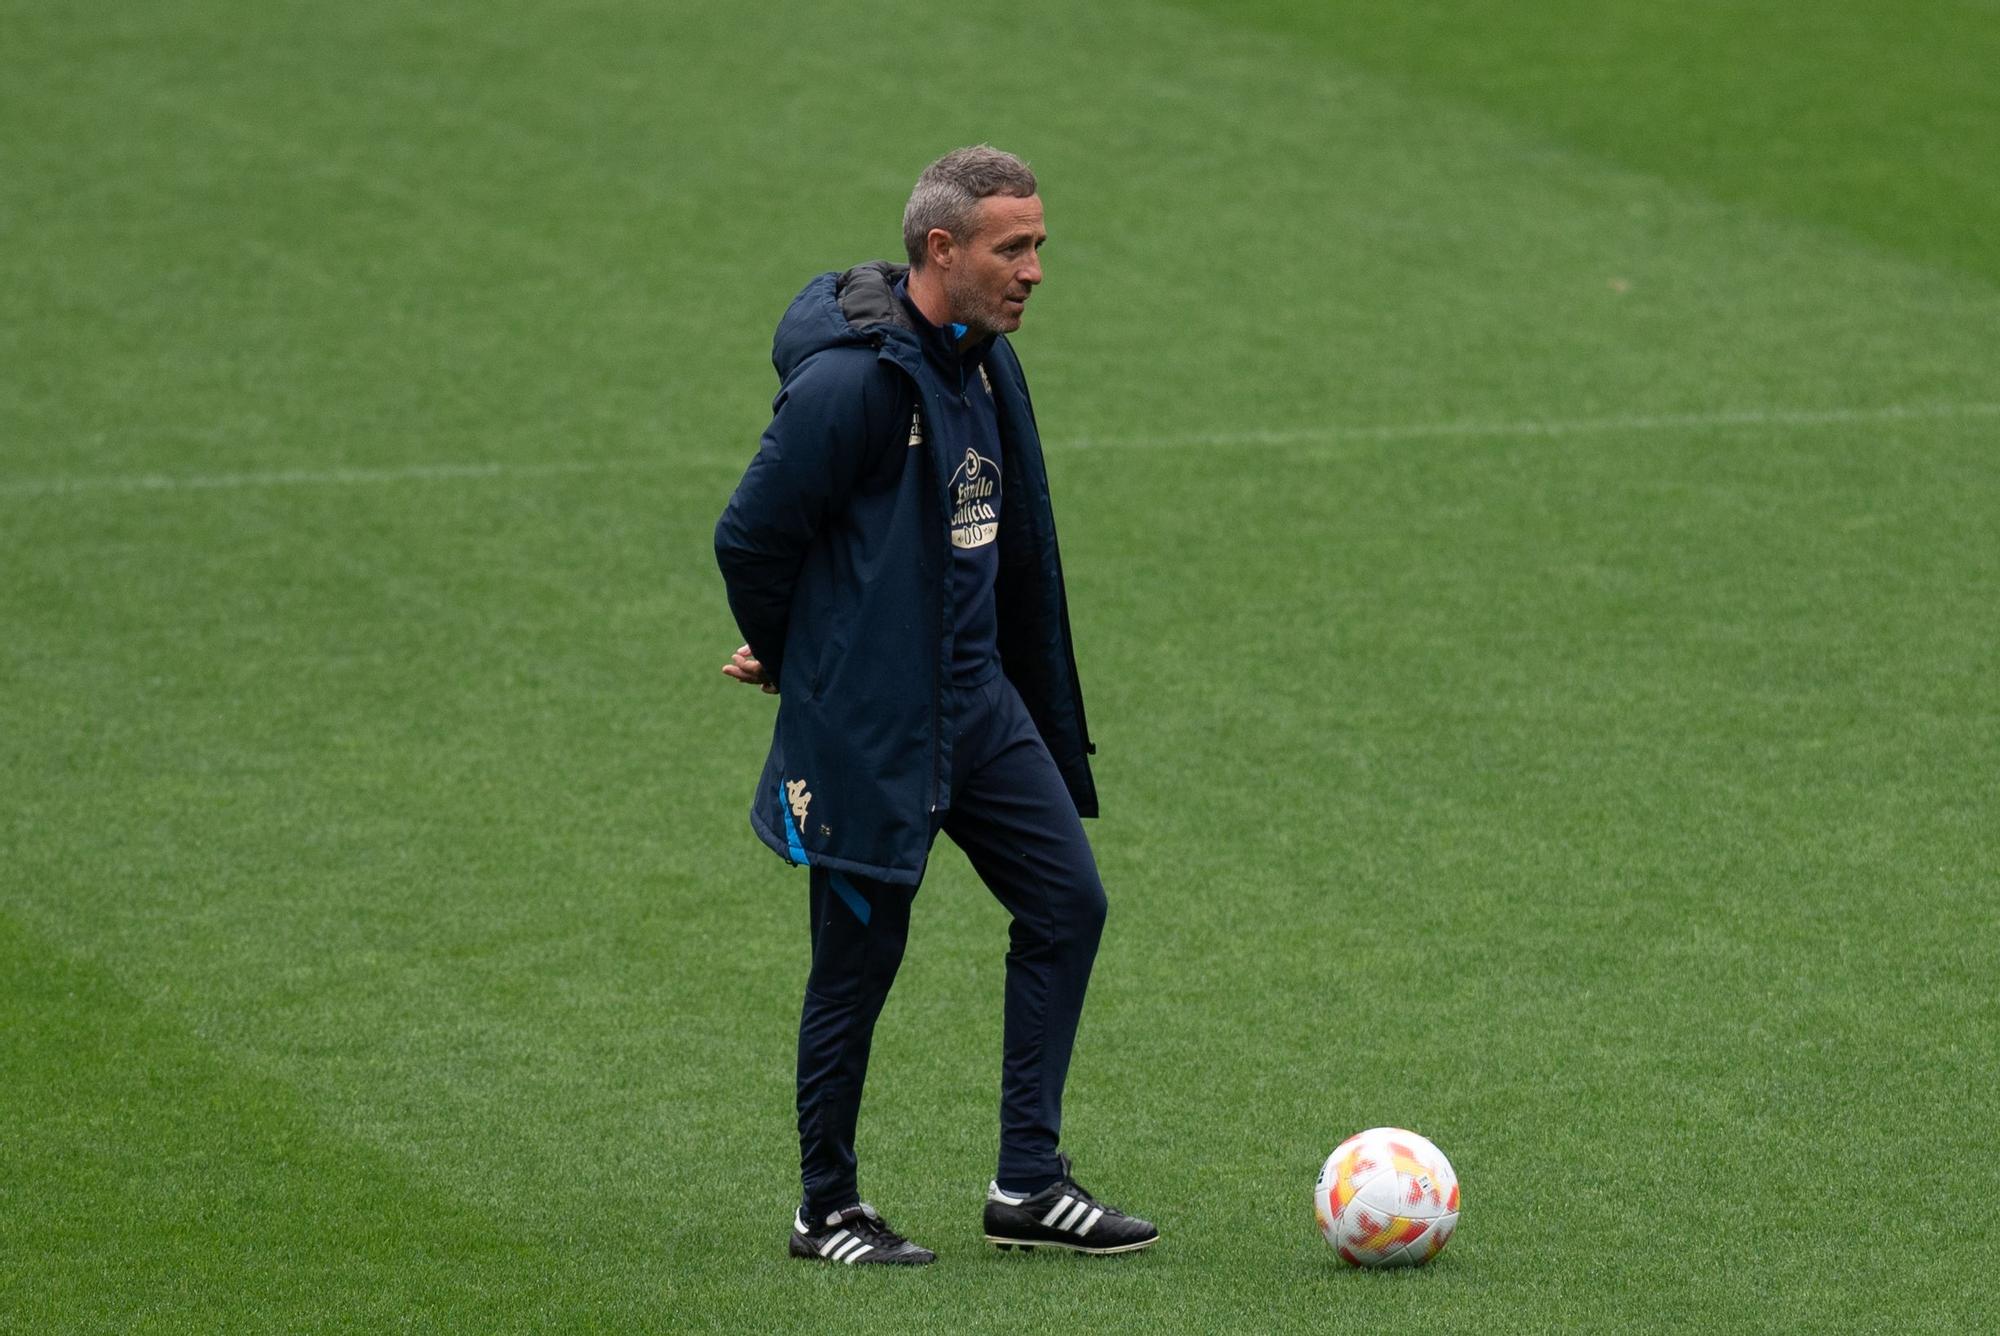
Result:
[[937, 700], [937, 639], [937, 659], [945, 587]]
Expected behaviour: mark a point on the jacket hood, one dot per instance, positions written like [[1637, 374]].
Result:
[[857, 308]]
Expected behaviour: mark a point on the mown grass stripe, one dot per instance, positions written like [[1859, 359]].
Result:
[[148, 1182]]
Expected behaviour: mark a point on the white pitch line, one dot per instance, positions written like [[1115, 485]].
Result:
[[198, 482], [1409, 431], [1417, 431]]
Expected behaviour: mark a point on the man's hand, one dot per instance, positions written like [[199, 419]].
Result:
[[747, 671]]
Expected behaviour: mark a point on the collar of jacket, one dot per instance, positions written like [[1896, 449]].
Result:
[[868, 300], [867, 297]]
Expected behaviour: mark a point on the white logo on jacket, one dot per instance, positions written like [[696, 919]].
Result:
[[795, 791], [917, 428], [974, 521]]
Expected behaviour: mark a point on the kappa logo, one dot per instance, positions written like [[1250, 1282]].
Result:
[[917, 428], [986, 380], [795, 793]]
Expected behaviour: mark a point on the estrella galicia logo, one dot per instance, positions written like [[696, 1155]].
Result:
[[975, 520]]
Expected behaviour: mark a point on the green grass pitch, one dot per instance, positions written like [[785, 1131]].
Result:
[[1530, 484]]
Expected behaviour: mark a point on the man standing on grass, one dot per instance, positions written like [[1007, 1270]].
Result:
[[891, 561]]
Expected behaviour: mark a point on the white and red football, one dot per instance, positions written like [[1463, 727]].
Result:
[[1386, 1197]]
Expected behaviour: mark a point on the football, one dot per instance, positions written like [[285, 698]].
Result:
[[1386, 1197]]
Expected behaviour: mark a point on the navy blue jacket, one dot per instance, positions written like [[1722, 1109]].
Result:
[[837, 556]]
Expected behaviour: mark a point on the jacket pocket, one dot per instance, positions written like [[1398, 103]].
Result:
[[826, 663]]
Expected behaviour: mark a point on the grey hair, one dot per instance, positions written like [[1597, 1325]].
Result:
[[950, 189]]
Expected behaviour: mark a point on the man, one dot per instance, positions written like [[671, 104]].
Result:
[[891, 560]]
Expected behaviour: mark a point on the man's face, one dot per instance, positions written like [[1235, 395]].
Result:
[[997, 267]]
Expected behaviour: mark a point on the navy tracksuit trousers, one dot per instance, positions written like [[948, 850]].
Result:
[[1015, 821]]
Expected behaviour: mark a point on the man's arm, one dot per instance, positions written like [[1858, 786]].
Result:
[[827, 422]]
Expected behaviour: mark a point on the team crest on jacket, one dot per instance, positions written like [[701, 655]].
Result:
[[974, 521]]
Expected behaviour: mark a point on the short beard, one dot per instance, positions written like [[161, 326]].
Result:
[[980, 321]]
